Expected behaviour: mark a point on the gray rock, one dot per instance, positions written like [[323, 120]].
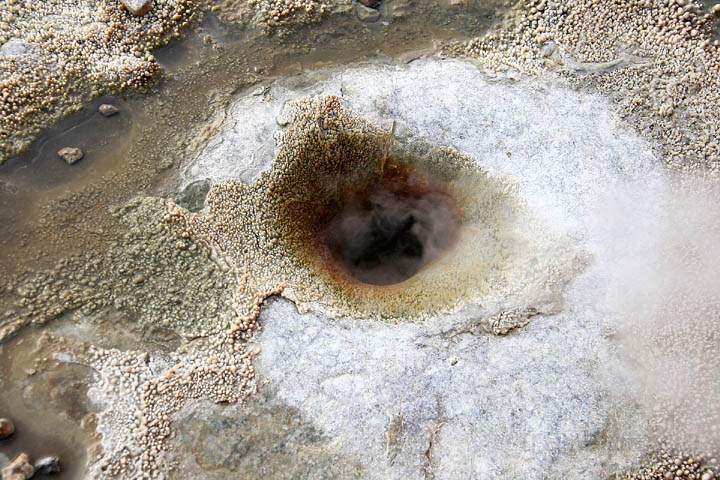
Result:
[[7, 428], [137, 7], [19, 469], [71, 155], [108, 110], [193, 196], [14, 47], [366, 14], [548, 49], [370, 3], [48, 465], [264, 439]]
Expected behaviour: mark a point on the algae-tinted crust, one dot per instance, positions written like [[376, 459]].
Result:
[[270, 230]]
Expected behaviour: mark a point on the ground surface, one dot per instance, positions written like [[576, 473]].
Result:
[[574, 323]]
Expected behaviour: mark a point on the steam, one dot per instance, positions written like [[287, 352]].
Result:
[[666, 290], [390, 235]]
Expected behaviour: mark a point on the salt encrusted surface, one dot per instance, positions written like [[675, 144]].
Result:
[[449, 103], [409, 403], [441, 398], [550, 400]]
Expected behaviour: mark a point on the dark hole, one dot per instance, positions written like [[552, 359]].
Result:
[[387, 234]]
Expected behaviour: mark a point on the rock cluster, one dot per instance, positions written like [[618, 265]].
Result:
[[22, 469]]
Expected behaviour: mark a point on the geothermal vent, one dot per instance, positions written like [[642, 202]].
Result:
[[388, 232]]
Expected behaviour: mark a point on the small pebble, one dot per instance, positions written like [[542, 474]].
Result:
[[107, 110], [137, 7], [48, 465], [71, 155], [7, 428], [367, 14], [19, 469]]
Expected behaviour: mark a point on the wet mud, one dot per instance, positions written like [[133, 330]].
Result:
[[46, 400]]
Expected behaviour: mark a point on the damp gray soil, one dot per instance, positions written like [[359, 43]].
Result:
[[50, 210], [40, 174], [45, 392], [47, 402]]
